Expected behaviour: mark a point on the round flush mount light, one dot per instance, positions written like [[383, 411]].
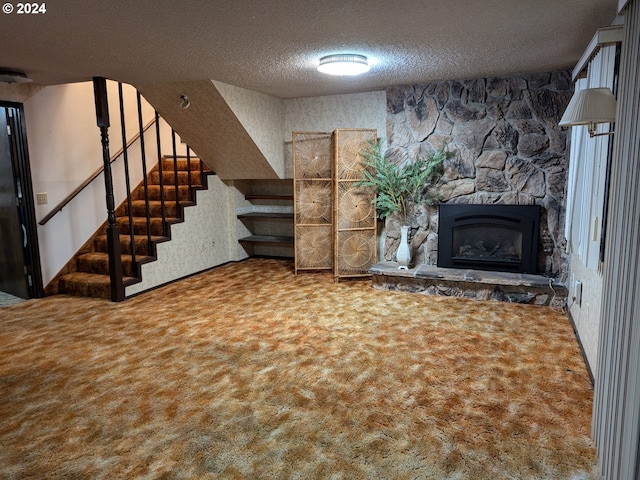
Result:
[[344, 64]]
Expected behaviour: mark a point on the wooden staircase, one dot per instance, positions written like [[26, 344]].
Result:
[[88, 272]]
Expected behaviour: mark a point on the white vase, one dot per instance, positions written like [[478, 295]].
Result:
[[403, 255]]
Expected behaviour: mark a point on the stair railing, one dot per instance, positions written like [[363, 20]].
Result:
[[117, 277], [161, 178], [141, 189], [67, 200]]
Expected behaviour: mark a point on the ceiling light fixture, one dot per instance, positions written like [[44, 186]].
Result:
[[12, 76], [590, 107], [344, 64]]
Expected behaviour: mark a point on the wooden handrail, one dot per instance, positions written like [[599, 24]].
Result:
[[93, 176]]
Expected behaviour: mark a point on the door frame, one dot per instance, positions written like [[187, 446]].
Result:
[[20, 158]]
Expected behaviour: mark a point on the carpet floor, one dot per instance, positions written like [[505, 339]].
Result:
[[249, 371]]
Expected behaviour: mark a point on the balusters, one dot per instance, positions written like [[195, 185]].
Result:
[[189, 168], [161, 176], [144, 169], [130, 166], [125, 158], [175, 169]]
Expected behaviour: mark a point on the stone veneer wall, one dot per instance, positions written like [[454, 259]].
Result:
[[507, 148]]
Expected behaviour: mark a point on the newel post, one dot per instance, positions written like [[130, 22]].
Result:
[[113, 235]]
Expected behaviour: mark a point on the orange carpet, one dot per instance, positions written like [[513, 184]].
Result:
[[248, 371]]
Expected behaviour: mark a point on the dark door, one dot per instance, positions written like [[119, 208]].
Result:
[[20, 273]]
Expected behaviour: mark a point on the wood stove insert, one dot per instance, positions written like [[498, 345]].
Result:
[[488, 237]]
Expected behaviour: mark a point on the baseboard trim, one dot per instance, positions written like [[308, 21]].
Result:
[[584, 355]]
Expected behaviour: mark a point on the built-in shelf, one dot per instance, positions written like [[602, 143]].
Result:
[[267, 218], [286, 216], [269, 239], [268, 197]]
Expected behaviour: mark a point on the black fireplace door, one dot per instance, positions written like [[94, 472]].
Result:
[[489, 237]]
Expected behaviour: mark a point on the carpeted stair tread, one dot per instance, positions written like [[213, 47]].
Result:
[[140, 225], [139, 208], [168, 164], [90, 284], [184, 193], [92, 275], [140, 241], [98, 262], [169, 178]]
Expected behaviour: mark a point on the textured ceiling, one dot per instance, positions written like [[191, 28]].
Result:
[[274, 46]]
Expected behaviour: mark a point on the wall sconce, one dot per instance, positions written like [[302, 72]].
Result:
[[590, 107], [185, 103], [344, 64]]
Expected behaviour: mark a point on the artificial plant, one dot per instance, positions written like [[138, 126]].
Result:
[[401, 186]]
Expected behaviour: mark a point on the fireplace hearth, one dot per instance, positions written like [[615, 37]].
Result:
[[488, 237]]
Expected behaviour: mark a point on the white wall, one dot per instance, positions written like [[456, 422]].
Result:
[[585, 211], [64, 149]]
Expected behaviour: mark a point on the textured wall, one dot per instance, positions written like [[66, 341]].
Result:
[[327, 113], [18, 92], [506, 148], [211, 127], [263, 118], [205, 239]]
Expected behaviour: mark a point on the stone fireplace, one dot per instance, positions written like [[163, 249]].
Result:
[[506, 149], [500, 238]]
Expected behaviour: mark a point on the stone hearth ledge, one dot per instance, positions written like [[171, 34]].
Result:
[[475, 284]]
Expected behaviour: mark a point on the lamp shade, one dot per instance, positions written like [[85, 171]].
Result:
[[344, 64], [590, 106]]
